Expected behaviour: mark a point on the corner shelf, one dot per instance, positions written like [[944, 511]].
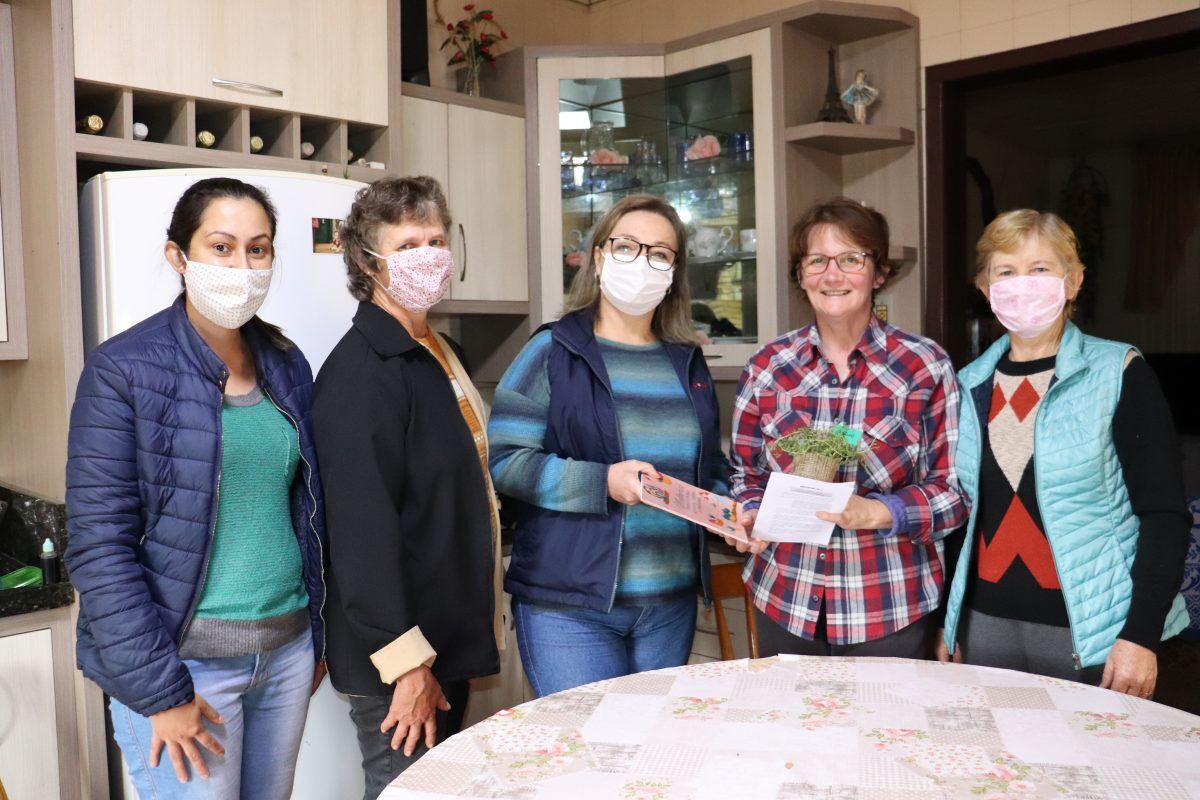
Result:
[[842, 23], [518, 308], [846, 138]]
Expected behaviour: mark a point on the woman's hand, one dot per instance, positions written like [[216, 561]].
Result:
[[943, 652], [624, 486], [1130, 669], [180, 729], [861, 513], [319, 673], [415, 703], [745, 523]]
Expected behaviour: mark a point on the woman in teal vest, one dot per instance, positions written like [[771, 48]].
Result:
[[1073, 553]]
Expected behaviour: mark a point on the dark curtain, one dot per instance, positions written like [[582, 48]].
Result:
[[1166, 210]]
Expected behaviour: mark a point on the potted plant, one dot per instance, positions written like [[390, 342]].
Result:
[[819, 453], [474, 40]]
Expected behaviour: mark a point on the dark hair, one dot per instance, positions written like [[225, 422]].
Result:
[[190, 208], [857, 222], [387, 201], [672, 321]]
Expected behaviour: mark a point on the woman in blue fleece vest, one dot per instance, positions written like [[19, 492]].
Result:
[[1072, 558], [603, 586]]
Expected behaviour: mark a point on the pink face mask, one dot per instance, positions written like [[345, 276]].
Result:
[[418, 277], [1028, 305]]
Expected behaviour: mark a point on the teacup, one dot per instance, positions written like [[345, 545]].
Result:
[[749, 240]]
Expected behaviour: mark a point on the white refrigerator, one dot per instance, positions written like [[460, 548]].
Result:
[[126, 278]]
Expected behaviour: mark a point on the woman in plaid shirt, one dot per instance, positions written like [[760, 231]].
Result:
[[874, 589]]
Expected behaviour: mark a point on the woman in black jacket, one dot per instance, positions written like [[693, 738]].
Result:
[[413, 533]]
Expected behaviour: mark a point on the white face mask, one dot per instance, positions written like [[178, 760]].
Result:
[[634, 287], [226, 296]]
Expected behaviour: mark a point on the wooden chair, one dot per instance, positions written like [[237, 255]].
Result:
[[726, 584]]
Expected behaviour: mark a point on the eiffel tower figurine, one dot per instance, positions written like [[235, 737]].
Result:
[[833, 110]]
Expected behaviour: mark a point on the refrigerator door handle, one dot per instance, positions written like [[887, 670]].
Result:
[[462, 234]]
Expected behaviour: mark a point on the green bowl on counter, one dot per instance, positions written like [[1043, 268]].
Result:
[[20, 578]]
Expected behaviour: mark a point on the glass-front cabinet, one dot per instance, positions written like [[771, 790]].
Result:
[[693, 126]]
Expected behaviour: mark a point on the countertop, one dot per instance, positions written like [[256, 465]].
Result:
[[35, 598]]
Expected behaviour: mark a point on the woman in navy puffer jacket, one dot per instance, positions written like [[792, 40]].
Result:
[[195, 519]]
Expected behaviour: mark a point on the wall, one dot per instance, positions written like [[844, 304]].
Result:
[[950, 29]]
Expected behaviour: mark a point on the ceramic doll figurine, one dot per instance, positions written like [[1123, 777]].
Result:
[[860, 94]]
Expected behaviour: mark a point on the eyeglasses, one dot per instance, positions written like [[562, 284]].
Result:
[[659, 257], [851, 261]]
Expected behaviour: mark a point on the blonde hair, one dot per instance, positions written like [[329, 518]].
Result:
[[672, 320], [1010, 230]]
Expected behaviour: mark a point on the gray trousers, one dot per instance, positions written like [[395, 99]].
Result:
[[989, 641], [382, 764]]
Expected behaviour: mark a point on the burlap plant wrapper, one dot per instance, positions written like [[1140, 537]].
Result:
[[816, 467]]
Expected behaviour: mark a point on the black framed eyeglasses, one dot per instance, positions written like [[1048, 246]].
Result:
[[624, 249], [850, 261]]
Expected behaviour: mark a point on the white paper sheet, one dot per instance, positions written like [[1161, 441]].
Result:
[[789, 509]]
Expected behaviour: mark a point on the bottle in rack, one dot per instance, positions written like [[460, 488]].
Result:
[[92, 123], [307, 150], [140, 131], [205, 139], [256, 144]]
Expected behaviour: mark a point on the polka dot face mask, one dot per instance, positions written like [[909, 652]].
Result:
[[417, 277], [226, 296]]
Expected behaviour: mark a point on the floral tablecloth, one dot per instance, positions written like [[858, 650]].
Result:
[[799, 727]]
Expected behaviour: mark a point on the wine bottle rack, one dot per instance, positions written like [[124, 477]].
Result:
[[173, 123]]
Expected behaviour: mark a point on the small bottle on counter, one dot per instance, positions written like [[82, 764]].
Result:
[[140, 131], [307, 149], [49, 559], [256, 144], [206, 139], [92, 123]]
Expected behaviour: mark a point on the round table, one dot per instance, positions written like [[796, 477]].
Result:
[[795, 727]]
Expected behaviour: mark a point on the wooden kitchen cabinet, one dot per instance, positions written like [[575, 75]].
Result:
[[304, 56], [478, 156]]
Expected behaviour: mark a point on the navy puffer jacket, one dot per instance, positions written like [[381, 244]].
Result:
[[143, 463]]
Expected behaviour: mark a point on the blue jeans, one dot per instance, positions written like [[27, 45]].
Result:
[[263, 700], [563, 647]]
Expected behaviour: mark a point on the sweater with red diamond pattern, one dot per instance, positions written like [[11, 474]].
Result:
[[1013, 572]]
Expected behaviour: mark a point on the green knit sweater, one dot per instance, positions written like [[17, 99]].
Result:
[[254, 569]]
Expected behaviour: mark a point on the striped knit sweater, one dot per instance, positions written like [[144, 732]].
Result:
[[657, 424]]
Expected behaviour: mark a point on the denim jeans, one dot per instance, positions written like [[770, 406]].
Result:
[[562, 648], [263, 700], [381, 764]]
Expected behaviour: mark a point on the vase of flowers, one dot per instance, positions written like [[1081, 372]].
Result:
[[474, 40], [819, 453]]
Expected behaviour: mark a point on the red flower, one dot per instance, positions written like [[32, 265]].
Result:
[[449, 26], [503, 35], [487, 15], [469, 7]]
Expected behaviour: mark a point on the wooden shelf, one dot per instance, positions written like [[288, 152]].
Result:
[[900, 253], [367, 174], [511, 308], [159, 154], [846, 138], [459, 99], [725, 372], [839, 23]]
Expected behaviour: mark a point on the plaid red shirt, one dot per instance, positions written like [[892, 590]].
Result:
[[903, 395]]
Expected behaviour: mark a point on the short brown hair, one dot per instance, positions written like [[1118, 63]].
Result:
[[387, 201], [857, 222], [672, 320]]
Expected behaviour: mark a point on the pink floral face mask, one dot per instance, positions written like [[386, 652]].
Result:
[[1028, 305], [418, 277]]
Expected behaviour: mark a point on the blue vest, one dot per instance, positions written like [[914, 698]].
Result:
[[573, 559], [1081, 491]]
